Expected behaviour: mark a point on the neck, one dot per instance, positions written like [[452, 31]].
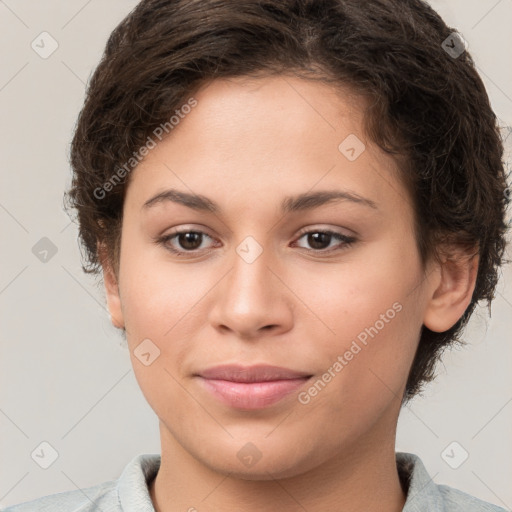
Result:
[[364, 477]]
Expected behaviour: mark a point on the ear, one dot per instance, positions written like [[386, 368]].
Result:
[[111, 289], [452, 291]]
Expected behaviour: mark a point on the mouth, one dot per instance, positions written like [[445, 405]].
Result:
[[253, 387]]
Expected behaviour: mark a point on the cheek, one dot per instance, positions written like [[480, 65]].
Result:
[[155, 293], [156, 300], [365, 366], [157, 307], [369, 289], [373, 315]]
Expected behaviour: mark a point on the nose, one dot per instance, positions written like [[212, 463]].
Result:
[[253, 299]]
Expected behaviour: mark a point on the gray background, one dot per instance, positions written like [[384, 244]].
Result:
[[65, 375]]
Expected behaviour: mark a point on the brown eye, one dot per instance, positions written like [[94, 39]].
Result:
[[182, 242], [189, 240], [319, 241]]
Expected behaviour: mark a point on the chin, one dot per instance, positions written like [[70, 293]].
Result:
[[280, 464]]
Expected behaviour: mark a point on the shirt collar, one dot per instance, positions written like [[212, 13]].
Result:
[[132, 486], [422, 492]]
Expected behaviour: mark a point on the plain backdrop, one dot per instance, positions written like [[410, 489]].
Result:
[[65, 374]]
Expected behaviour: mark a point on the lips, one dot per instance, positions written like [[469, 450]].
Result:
[[256, 373], [251, 387]]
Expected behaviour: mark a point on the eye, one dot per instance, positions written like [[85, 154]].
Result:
[[188, 240], [321, 239]]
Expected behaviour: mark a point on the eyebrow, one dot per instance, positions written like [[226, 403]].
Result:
[[301, 202]]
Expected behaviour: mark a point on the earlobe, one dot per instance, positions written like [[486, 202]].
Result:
[[111, 289], [453, 293], [113, 299]]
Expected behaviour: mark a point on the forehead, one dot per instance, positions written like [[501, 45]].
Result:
[[248, 137], [303, 107]]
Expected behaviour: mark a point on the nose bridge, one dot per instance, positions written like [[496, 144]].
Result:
[[251, 276], [249, 297]]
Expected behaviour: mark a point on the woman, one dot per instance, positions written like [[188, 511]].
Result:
[[295, 207]]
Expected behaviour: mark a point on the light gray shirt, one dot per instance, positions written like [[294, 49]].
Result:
[[130, 493]]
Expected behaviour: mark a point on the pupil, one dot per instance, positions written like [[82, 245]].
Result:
[[313, 239], [189, 237]]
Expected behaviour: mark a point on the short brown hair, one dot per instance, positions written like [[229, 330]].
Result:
[[427, 107]]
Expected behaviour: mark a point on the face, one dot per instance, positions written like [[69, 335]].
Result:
[[333, 289]]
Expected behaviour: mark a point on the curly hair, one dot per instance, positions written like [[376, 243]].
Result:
[[426, 105]]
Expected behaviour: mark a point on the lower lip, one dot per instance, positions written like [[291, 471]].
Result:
[[252, 395]]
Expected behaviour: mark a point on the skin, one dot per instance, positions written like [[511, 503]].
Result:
[[246, 145]]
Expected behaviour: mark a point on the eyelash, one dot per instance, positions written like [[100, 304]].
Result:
[[347, 241]]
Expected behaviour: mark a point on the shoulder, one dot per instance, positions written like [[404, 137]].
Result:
[[424, 495], [99, 497], [129, 492]]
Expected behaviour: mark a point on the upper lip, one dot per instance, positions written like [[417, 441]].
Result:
[[256, 373]]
